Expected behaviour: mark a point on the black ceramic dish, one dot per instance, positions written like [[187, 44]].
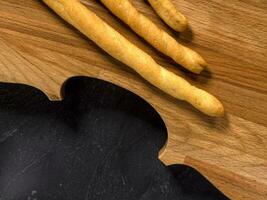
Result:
[[100, 142]]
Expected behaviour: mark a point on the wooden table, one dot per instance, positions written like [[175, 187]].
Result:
[[41, 50]]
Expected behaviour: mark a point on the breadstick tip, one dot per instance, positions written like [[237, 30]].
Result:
[[180, 24], [206, 103], [194, 60]]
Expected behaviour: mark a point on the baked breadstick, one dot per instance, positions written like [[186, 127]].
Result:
[[169, 14], [157, 37], [120, 48]]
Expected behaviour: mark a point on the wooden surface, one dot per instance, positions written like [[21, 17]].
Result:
[[40, 49]]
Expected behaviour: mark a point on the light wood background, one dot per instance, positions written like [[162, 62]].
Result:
[[37, 48]]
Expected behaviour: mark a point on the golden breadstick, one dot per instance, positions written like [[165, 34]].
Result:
[[120, 48], [157, 37], [169, 14]]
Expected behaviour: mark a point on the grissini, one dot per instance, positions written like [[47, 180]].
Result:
[[169, 14], [157, 37], [120, 48]]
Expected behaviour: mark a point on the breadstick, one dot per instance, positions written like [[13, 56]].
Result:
[[157, 37], [120, 48], [169, 14]]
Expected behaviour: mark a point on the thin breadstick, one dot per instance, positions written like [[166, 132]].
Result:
[[169, 14], [157, 37], [120, 48]]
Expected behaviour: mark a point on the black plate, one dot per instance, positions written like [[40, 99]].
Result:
[[100, 142]]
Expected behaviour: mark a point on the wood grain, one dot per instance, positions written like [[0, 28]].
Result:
[[40, 49]]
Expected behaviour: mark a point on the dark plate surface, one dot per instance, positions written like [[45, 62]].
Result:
[[100, 142]]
